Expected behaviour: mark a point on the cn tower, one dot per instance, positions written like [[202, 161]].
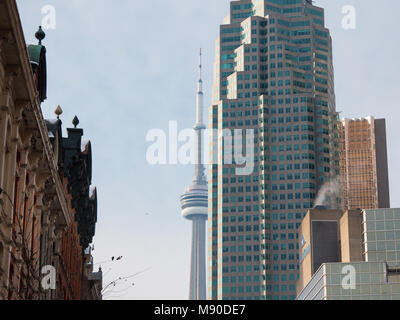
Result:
[[194, 205]]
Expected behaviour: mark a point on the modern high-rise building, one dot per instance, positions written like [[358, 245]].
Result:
[[273, 74], [350, 255], [194, 207], [363, 163]]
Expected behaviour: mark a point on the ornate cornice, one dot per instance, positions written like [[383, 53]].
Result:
[[26, 71]]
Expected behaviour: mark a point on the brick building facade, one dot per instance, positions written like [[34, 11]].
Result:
[[48, 210]]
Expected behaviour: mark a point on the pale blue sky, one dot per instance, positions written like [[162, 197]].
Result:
[[125, 67]]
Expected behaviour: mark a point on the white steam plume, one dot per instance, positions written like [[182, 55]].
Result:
[[329, 194]]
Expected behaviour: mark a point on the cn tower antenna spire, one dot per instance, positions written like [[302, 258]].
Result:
[[200, 66], [199, 127]]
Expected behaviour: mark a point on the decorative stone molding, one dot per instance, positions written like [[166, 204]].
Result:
[[20, 106], [42, 175], [18, 241], [5, 101], [5, 235], [61, 224], [12, 73], [25, 137], [6, 36], [46, 219], [54, 214]]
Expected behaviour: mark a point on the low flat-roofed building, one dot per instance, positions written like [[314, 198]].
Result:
[[350, 255], [372, 281], [328, 236]]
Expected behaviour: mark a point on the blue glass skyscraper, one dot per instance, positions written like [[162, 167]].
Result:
[[273, 73]]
